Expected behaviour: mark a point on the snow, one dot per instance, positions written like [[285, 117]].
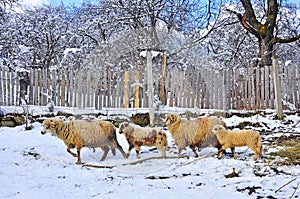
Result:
[[38, 166], [153, 53]]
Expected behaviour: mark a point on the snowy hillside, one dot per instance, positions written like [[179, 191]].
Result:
[[38, 166]]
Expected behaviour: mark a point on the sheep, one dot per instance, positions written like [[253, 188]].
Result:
[[137, 136], [193, 133], [236, 138], [84, 133]]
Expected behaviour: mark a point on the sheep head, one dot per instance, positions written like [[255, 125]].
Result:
[[218, 128], [172, 118], [123, 125], [50, 125]]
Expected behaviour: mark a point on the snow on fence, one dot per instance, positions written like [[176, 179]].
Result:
[[239, 88]]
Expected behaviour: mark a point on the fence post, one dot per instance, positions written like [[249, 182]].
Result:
[[136, 89], [162, 79], [277, 87], [150, 86], [126, 89]]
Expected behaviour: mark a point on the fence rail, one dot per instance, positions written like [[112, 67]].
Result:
[[239, 88]]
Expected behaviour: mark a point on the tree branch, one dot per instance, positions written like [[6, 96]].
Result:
[[286, 40], [242, 19]]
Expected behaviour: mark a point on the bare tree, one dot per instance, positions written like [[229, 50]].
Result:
[[264, 29]]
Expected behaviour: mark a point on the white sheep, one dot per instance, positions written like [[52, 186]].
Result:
[[137, 136], [84, 133], [193, 133], [236, 138]]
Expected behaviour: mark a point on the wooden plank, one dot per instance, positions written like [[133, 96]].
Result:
[[63, 89], [277, 87], [78, 90], [256, 88], [1, 89], [249, 87], [9, 89], [35, 86], [162, 96], [137, 88], [272, 92], [5, 88], [292, 85], [297, 87], [221, 96], [14, 96], [126, 98], [267, 86], [71, 88]]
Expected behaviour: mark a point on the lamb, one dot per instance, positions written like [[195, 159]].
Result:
[[193, 133], [137, 136], [233, 138], [84, 133]]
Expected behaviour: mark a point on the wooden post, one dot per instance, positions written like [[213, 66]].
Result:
[[136, 90], [63, 91], [162, 79], [277, 87], [1, 89], [36, 87], [150, 86], [126, 89]]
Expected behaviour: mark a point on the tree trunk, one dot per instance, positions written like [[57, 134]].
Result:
[[265, 51]]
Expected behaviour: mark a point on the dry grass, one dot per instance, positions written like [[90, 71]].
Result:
[[290, 152]]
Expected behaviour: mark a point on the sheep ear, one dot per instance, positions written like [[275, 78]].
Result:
[[53, 124], [173, 118]]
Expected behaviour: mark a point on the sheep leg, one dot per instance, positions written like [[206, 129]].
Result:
[[78, 157], [220, 152], [113, 150], [121, 150], [105, 149], [179, 152], [129, 149], [233, 152], [70, 146], [163, 152], [137, 150], [260, 152], [256, 152], [194, 150]]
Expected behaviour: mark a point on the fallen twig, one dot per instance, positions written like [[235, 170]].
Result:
[[97, 166], [153, 158], [131, 163], [201, 158], [295, 190], [285, 185]]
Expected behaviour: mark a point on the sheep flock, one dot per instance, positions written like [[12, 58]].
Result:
[[196, 133]]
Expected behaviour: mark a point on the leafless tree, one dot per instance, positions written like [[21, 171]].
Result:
[[264, 27]]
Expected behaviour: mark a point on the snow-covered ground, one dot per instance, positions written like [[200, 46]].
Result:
[[38, 166]]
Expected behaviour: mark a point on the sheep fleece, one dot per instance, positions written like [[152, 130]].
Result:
[[233, 138], [193, 133], [84, 133], [137, 136]]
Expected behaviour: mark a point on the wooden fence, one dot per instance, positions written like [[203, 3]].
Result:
[[239, 88]]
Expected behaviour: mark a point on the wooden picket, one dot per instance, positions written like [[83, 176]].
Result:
[[239, 88]]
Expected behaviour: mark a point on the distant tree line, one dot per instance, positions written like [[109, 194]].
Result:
[[241, 33]]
